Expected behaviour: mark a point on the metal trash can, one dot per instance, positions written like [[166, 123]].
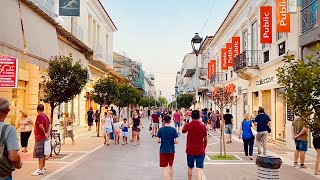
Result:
[[268, 167]]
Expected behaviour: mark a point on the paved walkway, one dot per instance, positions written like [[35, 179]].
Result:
[[90, 159]]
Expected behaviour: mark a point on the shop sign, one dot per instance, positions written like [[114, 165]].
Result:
[[290, 114], [283, 17], [224, 59], [235, 47], [69, 7], [267, 80], [292, 6], [266, 24], [8, 72], [229, 55], [209, 69], [213, 67]]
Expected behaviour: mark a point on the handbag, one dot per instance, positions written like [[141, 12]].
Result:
[[69, 128], [6, 166], [47, 147], [150, 127], [253, 131]]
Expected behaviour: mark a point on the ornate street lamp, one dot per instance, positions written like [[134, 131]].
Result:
[[196, 45]]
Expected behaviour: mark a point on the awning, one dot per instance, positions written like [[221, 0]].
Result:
[[66, 50]]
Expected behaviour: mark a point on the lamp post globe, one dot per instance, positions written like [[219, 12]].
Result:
[[196, 45]]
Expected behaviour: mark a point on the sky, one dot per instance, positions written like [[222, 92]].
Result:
[[158, 32]]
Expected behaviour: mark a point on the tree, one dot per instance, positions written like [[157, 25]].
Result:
[[105, 92], [147, 101], [65, 80], [301, 83], [163, 101], [185, 100], [222, 97], [127, 95]]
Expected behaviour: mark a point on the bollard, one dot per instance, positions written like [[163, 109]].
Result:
[[268, 167]]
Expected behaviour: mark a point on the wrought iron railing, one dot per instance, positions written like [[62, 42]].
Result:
[[77, 31], [249, 58], [309, 15], [46, 5], [97, 51], [218, 78]]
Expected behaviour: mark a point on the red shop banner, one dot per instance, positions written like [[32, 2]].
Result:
[[224, 63], [283, 17], [266, 24], [235, 47], [209, 69], [229, 54], [8, 72], [214, 67]]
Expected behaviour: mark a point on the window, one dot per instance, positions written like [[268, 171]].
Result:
[[245, 40], [231, 73], [309, 15], [264, 46], [282, 48], [226, 76], [280, 35], [266, 56], [254, 34]]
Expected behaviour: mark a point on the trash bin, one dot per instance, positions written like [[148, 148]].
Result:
[[268, 167]]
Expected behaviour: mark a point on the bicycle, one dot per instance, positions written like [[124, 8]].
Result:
[[55, 143]]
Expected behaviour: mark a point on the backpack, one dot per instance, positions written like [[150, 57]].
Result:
[[6, 166]]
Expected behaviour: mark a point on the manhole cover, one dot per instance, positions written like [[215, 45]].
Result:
[[59, 156]]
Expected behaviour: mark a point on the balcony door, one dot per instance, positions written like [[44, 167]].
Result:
[[254, 43], [245, 40]]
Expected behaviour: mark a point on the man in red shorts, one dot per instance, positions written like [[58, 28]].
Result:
[[167, 136]]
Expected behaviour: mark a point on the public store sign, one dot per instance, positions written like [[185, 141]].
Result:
[[8, 72], [266, 24], [267, 80], [229, 54], [283, 17], [212, 68], [224, 59], [235, 47], [292, 6]]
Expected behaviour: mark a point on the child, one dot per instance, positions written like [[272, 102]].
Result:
[[116, 127], [167, 136], [124, 128]]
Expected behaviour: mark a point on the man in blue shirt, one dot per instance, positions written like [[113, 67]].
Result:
[[167, 136], [262, 122]]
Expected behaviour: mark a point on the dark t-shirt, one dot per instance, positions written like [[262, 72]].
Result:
[[149, 111], [227, 118], [38, 133], [262, 120], [196, 133], [90, 118], [167, 134], [155, 118]]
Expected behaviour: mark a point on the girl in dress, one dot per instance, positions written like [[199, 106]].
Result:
[[25, 124]]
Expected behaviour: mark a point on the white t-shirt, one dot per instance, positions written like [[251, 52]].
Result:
[[116, 126], [108, 122]]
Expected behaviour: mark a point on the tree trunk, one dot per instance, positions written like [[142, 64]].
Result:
[[98, 132], [51, 116], [221, 140], [223, 135]]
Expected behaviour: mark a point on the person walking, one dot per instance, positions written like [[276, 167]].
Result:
[[213, 118], [136, 128], [124, 128], [67, 128], [247, 136], [25, 124], [167, 136], [262, 122], [155, 123], [97, 119], [316, 145], [108, 127], [9, 145], [299, 132], [177, 120], [113, 111], [42, 131], [90, 114], [116, 129], [228, 121], [197, 140], [218, 119]]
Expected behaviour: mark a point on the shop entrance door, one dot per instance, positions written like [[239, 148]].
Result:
[[280, 115]]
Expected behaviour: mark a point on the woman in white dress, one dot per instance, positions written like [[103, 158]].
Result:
[[107, 127], [25, 124]]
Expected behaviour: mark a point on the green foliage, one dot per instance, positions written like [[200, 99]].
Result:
[[105, 91], [163, 101], [127, 95], [227, 157], [147, 101], [301, 82], [65, 80], [185, 100]]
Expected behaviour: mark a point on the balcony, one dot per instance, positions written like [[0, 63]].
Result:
[[97, 51], [219, 78], [46, 5], [309, 23], [77, 31], [246, 64]]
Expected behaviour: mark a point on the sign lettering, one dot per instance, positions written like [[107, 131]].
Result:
[[266, 24], [229, 54], [235, 47], [8, 72], [224, 62], [283, 17]]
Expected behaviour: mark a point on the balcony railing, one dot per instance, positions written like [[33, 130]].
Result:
[[219, 78], [77, 31], [309, 15], [97, 51], [249, 59], [46, 5]]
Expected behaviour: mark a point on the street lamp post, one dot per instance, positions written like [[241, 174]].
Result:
[[196, 43]]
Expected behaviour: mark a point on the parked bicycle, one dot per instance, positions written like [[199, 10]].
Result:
[[55, 143]]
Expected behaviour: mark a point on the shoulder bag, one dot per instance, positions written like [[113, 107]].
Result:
[[6, 167]]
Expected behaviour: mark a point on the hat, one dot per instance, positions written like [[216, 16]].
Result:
[[195, 114]]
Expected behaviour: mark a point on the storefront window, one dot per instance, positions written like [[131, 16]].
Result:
[[280, 115]]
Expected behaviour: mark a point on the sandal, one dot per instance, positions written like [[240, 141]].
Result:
[[317, 173]]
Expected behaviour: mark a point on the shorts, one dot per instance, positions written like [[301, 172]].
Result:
[[316, 143], [125, 134], [90, 123], [228, 129], [198, 159], [108, 130], [301, 145], [117, 133], [177, 124], [39, 149], [136, 129], [166, 159], [205, 121], [155, 125]]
